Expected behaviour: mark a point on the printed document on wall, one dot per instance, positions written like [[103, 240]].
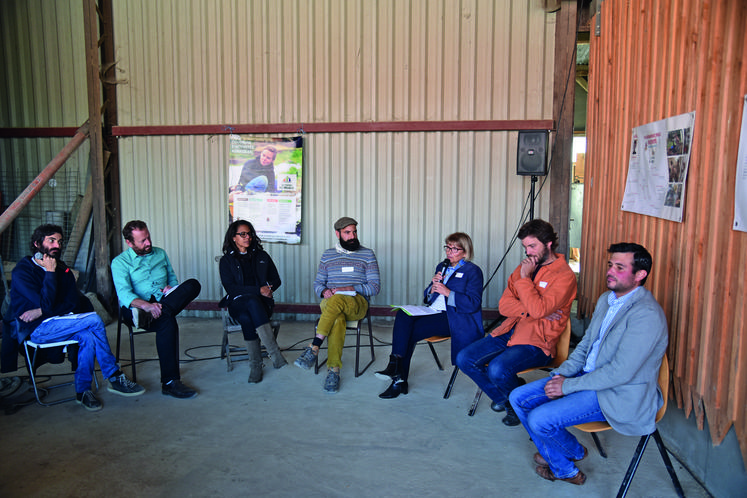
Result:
[[265, 179], [740, 193], [657, 168]]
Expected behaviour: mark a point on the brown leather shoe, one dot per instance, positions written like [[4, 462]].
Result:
[[539, 460], [546, 473]]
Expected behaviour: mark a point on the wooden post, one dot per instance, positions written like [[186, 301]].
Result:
[[96, 158], [563, 102]]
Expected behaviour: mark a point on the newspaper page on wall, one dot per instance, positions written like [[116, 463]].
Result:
[[740, 193], [657, 169], [264, 178]]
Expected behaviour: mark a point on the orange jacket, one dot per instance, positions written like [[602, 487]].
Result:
[[526, 303]]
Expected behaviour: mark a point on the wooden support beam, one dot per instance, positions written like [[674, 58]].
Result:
[[563, 102], [81, 221], [96, 158], [48, 172]]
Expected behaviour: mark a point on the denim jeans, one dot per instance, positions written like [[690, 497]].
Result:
[[89, 331], [546, 420], [166, 328], [250, 312], [499, 378]]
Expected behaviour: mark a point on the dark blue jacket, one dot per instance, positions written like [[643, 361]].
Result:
[[55, 293], [463, 306]]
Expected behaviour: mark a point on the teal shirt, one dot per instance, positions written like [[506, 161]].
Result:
[[142, 276]]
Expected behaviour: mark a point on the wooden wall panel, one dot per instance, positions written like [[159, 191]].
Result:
[[654, 60]]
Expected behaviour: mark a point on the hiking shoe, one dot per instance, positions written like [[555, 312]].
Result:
[[176, 389], [307, 359], [120, 384], [9, 385], [332, 382], [141, 319], [89, 401]]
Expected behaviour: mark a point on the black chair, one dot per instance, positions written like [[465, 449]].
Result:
[[594, 427], [130, 327], [435, 340]]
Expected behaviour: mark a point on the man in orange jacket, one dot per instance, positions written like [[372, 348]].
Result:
[[536, 304]]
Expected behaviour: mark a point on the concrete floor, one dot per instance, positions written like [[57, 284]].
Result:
[[286, 437]]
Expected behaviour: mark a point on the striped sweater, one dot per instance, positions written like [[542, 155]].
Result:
[[340, 269]]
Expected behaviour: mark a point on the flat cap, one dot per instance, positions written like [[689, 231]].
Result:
[[344, 222]]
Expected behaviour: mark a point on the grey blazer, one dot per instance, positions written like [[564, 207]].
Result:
[[627, 367]]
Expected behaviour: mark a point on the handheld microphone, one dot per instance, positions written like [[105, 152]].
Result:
[[445, 264], [38, 256]]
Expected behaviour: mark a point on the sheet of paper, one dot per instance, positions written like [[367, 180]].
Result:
[[416, 310]]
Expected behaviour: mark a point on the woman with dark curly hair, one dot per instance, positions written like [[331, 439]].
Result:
[[249, 276]]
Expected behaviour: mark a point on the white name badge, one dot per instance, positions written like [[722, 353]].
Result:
[[458, 275], [543, 284], [348, 269]]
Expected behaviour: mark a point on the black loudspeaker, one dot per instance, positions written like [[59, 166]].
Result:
[[531, 159]]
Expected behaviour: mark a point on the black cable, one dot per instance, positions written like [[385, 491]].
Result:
[[571, 66]]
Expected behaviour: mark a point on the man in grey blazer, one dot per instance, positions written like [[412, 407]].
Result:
[[610, 376]]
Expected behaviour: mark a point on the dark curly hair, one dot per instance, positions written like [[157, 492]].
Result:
[[41, 232], [228, 243], [541, 230]]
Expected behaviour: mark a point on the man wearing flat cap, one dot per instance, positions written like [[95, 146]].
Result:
[[347, 277]]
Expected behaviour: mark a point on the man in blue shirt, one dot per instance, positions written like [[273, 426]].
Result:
[[611, 375], [151, 297]]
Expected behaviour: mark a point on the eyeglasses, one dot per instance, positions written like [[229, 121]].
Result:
[[244, 234], [452, 249]]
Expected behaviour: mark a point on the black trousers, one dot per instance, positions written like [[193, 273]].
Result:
[[166, 328]]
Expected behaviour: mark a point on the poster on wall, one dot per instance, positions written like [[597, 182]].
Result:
[[657, 168], [740, 193], [264, 178]]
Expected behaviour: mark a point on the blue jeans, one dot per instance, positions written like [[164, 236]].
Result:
[[499, 378], [546, 420], [89, 331]]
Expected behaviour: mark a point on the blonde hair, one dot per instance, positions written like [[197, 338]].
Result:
[[462, 240]]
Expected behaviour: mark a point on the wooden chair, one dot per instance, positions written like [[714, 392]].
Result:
[[354, 326], [594, 427], [561, 354]]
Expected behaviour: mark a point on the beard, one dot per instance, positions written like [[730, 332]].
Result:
[[542, 258], [143, 251], [350, 245], [52, 253]]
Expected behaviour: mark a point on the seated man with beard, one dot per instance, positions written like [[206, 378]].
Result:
[[46, 307], [348, 275], [536, 304]]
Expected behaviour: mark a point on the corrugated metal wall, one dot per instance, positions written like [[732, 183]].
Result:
[[42, 84], [283, 61], [653, 60]]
